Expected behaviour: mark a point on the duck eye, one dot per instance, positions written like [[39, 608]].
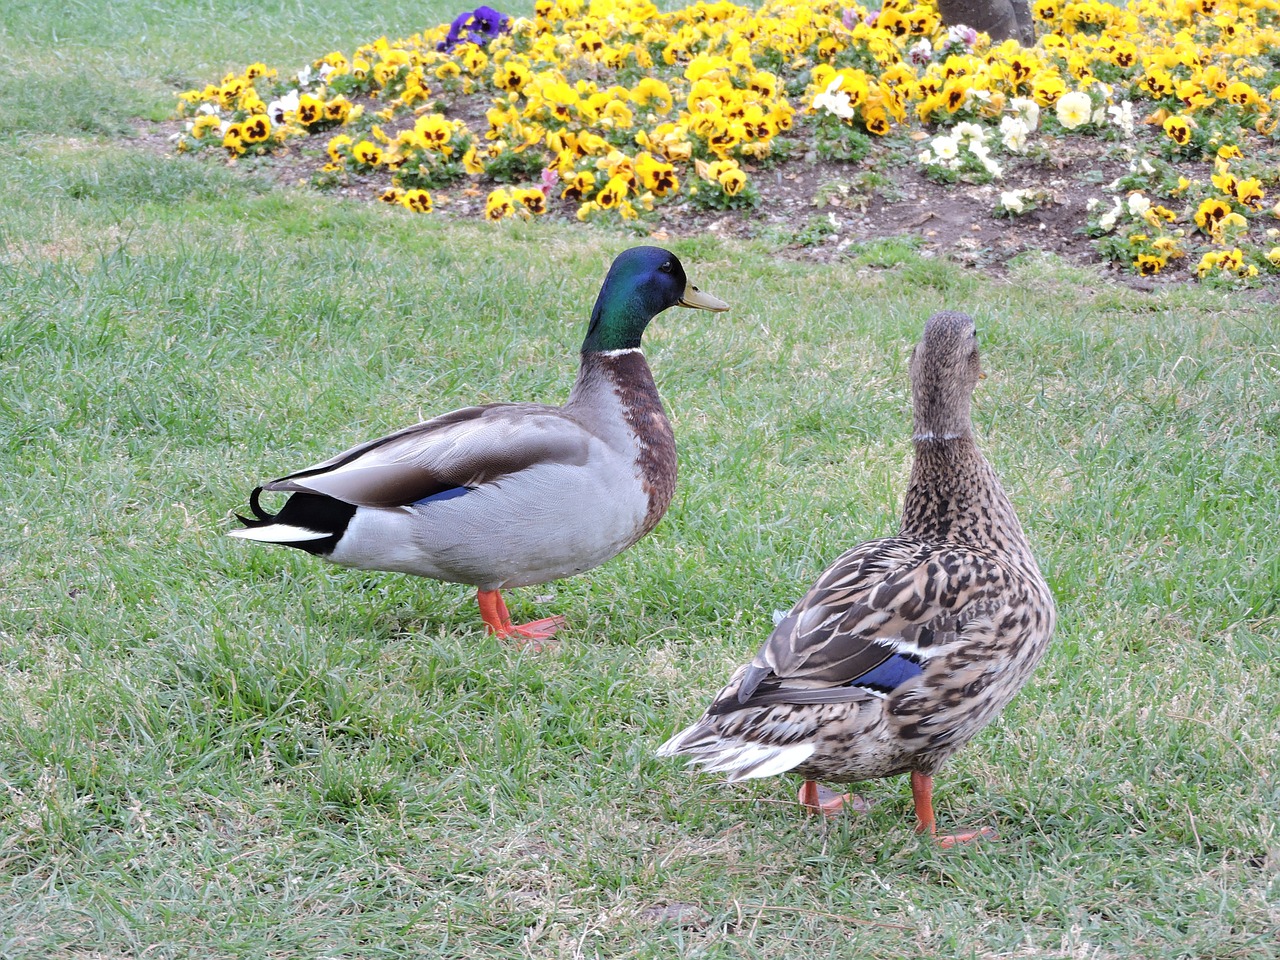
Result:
[[666, 267]]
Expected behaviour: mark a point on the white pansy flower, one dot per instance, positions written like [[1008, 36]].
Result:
[[1100, 115], [1026, 110], [1011, 200], [833, 100], [1013, 134], [1108, 220], [1138, 205], [921, 52], [972, 132], [309, 74], [1018, 201], [276, 109], [1074, 109], [945, 148], [1122, 117]]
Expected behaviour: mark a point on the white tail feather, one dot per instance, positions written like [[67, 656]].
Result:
[[278, 533], [739, 759]]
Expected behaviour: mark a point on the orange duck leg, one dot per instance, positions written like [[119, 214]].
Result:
[[922, 793], [494, 613]]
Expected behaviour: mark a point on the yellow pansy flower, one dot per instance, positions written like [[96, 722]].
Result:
[[1242, 95], [434, 130], [1210, 213], [533, 200], [256, 129], [310, 109], [1046, 88], [656, 176], [1225, 181], [652, 92], [233, 139], [472, 161], [578, 186], [338, 147], [613, 193], [337, 110], [1250, 192], [1148, 265], [367, 153], [511, 76], [617, 115], [498, 205], [204, 125], [419, 201], [473, 59], [876, 119], [1178, 129]]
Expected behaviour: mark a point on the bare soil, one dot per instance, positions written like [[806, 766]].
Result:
[[824, 210]]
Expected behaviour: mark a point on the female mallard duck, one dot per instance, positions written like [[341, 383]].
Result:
[[509, 494], [908, 646]]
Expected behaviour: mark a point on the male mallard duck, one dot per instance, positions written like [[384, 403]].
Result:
[[509, 494], [906, 647]]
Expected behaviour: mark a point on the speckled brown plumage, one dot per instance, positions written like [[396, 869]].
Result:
[[907, 646]]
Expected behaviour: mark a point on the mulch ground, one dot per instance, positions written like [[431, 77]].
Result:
[[823, 210]]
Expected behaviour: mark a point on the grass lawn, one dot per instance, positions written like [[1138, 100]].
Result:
[[213, 749]]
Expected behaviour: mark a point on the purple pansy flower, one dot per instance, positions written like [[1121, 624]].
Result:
[[479, 26]]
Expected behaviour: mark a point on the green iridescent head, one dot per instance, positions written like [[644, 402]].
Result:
[[641, 283]]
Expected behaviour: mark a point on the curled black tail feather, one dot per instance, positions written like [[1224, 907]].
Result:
[[261, 517], [308, 511]]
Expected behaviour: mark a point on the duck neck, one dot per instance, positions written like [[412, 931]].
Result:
[[616, 397], [954, 495], [617, 322], [608, 377]]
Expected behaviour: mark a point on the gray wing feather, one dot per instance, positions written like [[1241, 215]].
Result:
[[465, 448]]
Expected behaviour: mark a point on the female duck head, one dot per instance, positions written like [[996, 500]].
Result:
[[642, 282], [945, 367]]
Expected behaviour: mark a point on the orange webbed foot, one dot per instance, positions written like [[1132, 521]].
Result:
[[965, 836], [816, 798], [532, 634], [496, 617]]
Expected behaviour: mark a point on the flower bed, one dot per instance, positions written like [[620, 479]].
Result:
[[611, 110]]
